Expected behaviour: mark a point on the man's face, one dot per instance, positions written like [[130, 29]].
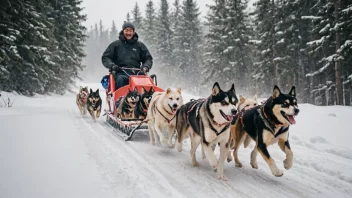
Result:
[[128, 33]]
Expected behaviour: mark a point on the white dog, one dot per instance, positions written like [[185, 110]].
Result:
[[161, 115]]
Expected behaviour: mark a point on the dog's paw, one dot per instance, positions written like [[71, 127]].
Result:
[[195, 164], [179, 147], [221, 177], [229, 159], [171, 146], [239, 164], [288, 163], [277, 172], [254, 165]]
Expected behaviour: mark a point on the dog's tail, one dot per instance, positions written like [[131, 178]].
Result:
[[181, 127]]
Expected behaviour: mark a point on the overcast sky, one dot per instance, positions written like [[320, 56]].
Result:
[[109, 10]]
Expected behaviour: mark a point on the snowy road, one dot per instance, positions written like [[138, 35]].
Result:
[[47, 149]]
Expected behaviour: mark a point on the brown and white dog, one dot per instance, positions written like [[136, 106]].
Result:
[[237, 135], [81, 99]]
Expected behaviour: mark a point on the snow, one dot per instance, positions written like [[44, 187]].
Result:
[[48, 149], [310, 17]]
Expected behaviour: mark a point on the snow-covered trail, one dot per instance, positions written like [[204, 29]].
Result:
[[87, 159]]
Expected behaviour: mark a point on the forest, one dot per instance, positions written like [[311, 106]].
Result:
[[45, 48]]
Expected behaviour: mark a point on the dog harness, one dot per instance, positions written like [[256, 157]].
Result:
[[269, 123], [166, 119], [198, 103]]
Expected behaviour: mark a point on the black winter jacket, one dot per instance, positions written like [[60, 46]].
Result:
[[127, 53]]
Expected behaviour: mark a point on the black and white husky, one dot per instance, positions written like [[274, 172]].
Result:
[[207, 121]]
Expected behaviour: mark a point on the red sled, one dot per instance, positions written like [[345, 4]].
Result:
[[127, 127]]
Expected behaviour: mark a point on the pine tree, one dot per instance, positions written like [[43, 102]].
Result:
[[114, 35], [265, 73], [27, 47], [137, 19], [128, 17], [216, 44], [149, 28], [164, 47], [188, 49], [237, 52], [70, 34]]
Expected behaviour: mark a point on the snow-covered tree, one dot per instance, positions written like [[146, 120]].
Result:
[[189, 41], [150, 38], [164, 37], [137, 19]]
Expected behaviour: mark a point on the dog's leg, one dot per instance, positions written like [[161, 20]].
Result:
[[203, 153], [91, 112], [195, 141], [285, 147], [231, 145], [254, 154], [209, 153], [224, 150], [262, 147], [160, 133], [151, 131], [98, 112], [84, 109], [238, 142], [171, 132]]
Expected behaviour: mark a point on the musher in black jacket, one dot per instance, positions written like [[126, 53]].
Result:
[[127, 52]]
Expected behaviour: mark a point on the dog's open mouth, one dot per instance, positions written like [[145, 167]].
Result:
[[289, 118], [173, 110], [227, 117], [133, 103]]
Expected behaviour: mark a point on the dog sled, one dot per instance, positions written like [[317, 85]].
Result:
[[126, 127]]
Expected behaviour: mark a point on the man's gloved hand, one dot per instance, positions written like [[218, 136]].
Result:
[[145, 69], [115, 68]]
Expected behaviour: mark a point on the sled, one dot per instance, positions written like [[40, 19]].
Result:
[[125, 128]]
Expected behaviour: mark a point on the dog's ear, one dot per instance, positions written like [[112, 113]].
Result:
[[91, 91], [179, 90], [86, 87], [233, 88], [168, 90], [97, 91], [216, 89], [242, 99], [151, 90], [293, 91], [255, 97], [276, 92]]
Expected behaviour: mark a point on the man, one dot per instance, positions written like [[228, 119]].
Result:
[[127, 52]]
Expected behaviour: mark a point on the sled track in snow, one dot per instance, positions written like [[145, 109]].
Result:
[[138, 169]]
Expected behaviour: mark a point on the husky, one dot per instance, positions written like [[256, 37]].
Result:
[[81, 99], [127, 105], [269, 123], [237, 135], [161, 115], [94, 104], [142, 106], [207, 121]]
